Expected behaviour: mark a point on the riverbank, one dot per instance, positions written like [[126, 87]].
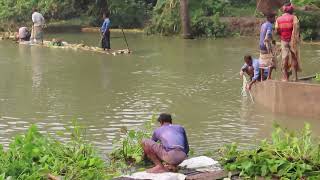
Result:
[[293, 155]]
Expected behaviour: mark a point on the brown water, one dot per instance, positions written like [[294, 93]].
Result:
[[196, 80]]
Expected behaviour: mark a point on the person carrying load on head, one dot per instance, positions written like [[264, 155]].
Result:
[[24, 34], [267, 47], [287, 27], [105, 30], [172, 147], [252, 68], [38, 24]]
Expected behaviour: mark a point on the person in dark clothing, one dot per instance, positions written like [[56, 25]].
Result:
[[172, 149], [105, 30]]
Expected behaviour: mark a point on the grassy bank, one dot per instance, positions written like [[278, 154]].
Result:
[[38, 156], [287, 155]]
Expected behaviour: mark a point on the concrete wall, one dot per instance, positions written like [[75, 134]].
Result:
[[291, 98]]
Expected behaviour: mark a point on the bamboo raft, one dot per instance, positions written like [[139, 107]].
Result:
[[65, 45], [82, 47]]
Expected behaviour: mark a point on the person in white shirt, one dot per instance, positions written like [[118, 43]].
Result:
[[38, 24]]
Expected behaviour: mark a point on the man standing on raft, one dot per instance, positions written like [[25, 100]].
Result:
[[38, 24], [105, 30], [287, 27]]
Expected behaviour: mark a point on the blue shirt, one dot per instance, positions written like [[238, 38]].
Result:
[[256, 69], [106, 25], [172, 137], [266, 30]]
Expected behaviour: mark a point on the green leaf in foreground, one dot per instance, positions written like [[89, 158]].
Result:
[[289, 155]]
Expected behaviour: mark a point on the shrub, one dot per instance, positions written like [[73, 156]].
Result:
[[34, 156], [289, 155], [309, 24], [208, 26]]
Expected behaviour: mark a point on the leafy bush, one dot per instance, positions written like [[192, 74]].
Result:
[[208, 26], [165, 18], [127, 156], [204, 18], [309, 24], [34, 156], [207, 7], [288, 156], [128, 149], [128, 14], [131, 14]]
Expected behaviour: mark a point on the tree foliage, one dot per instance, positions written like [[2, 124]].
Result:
[[128, 13], [166, 17], [159, 16]]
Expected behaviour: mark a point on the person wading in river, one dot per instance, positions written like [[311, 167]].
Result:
[[105, 30], [252, 68], [287, 27], [38, 24], [267, 52], [172, 148]]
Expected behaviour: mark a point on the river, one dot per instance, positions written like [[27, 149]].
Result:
[[195, 80]]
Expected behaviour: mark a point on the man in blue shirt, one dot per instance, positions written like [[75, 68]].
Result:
[[267, 54], [105, 30], [252, 68], [172, 148]]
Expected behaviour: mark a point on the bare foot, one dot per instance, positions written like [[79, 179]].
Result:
[[157, 169], [284, 80], [171, 168]]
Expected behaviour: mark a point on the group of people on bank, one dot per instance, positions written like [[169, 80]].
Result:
[[287, 27]]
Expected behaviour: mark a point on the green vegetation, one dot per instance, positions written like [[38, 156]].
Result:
[[309, 25], [34, 156], [127, 155], [306, 2], [129, 147], [157, 16], [318, 77], [204, 17], [133, 13], [289, 155]]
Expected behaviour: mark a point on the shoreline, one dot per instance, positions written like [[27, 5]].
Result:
[[11, 35]]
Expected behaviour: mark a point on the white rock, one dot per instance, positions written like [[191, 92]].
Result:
[[199, 162], [161, 176]]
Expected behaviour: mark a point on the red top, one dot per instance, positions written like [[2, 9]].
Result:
[[285, 26]]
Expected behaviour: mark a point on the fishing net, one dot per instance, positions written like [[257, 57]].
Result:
[[244, 91], [244, 86], [270, 6]]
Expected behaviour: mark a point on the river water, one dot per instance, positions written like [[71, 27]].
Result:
[[195, 80]]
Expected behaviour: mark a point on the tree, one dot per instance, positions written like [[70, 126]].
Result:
[[185, 19]]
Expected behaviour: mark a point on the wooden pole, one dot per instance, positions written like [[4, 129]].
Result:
[[185, 19]]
